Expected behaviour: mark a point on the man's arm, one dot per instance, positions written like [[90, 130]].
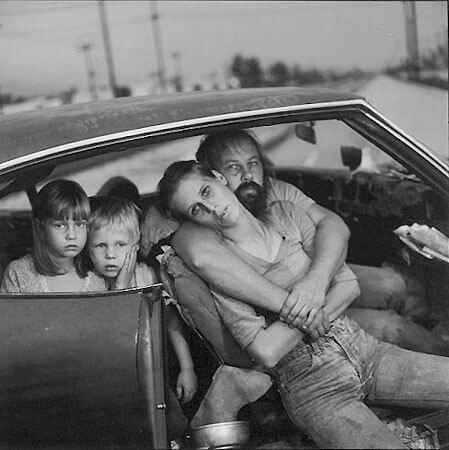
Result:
[[330, 247], [204, 253], [275, 341]]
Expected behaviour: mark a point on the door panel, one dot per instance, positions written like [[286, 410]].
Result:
[[68, 369]]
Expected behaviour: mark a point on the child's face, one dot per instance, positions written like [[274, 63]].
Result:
[[108, 247], [65, 238]]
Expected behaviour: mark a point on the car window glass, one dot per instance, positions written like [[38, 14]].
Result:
[[284, 149]]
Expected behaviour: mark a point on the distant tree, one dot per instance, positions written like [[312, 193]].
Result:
[[122, 91], [296, 75], [247, 70], [7, 98], [278, 74], [67, 96]]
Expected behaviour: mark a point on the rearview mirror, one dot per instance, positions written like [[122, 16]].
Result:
[[351, 157], [306, 132]]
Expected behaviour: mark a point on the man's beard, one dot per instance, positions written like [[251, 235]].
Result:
[[253, 197]]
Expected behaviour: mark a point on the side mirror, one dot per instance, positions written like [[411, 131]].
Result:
[[306, 132], [351, 157]]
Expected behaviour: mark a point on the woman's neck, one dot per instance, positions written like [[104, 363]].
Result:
[[253, 236], [247, 225]]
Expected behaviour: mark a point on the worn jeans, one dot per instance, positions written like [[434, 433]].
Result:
[[324, 386]]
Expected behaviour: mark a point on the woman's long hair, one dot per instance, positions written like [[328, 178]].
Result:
[[57, 200]]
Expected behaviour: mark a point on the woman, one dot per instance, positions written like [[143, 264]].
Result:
[[323, 382]]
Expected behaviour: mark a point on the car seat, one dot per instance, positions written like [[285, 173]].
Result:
[[236, 382]]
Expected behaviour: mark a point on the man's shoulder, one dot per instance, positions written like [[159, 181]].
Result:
[[279, 210], [281, 190], [276, 184]]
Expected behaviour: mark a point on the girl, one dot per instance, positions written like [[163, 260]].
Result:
[[324, 383], [59, 221]]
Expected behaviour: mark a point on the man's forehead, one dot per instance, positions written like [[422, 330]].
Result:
[[239, 150]]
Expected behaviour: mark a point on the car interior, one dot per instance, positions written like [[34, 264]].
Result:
[[327, 160], [373, 193]]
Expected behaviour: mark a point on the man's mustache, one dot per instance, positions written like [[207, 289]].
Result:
[[249, 188]]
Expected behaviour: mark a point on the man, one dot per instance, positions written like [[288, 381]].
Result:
[[237, 155]]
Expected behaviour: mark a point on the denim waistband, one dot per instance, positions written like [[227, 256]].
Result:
[[340, 329]]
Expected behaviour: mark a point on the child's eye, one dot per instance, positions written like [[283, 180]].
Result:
[[59, 225], [81, 224], [254, 163], [122, 244]]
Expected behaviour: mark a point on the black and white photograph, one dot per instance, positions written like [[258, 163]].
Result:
[[224, 224]]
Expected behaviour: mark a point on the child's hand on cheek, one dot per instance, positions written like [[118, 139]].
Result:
[[125, 276]]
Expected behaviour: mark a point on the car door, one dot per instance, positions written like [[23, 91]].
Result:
[[82, 370]]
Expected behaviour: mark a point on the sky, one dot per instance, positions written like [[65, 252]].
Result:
[[40, 40]]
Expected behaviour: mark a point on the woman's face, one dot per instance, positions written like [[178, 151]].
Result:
[[206, 201]]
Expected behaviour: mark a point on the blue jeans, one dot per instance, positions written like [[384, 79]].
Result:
[[324, 385]]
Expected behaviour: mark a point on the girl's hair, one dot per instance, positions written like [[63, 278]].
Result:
[[57, 200], [173, 175], [115, 211], [214, 145]]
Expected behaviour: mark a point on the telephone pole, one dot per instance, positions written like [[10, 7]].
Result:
[[411, 36], [107, 47], [178, 81], [158, 45], [86, 48]]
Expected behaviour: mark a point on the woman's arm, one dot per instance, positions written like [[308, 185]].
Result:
[[273, 343], [228, 274]]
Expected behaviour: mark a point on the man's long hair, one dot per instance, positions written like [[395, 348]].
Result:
[[215, 144]]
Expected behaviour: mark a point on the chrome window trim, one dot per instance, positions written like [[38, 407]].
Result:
[[403, 136], [172, 126]]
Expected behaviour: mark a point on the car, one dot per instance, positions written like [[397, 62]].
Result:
[[89, 369]]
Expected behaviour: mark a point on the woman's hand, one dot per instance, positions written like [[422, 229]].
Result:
[[125, 276], [303, 303], [320, 325], [186, 385]]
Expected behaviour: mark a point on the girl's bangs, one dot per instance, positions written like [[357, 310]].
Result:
[[76, 209]]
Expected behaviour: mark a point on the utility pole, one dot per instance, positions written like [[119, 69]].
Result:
[[411, 36], [86, 48], [107, 47], [178, 81], [158, 45]]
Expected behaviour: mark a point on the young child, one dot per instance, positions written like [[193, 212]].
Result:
[[59, 221], [113, 242]]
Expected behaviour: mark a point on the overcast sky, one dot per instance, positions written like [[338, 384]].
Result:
[[39, 40]]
